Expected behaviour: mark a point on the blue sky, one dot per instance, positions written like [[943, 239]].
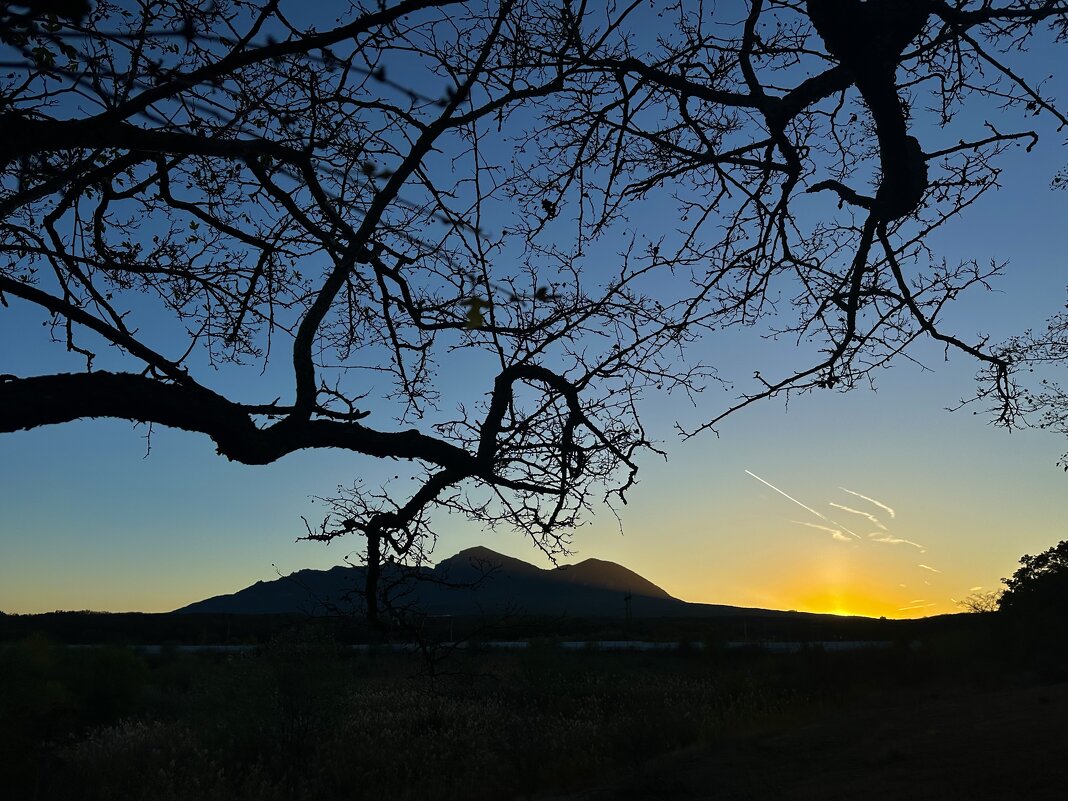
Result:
[[91, 520]]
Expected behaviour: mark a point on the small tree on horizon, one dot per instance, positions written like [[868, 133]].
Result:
[[982, 602]]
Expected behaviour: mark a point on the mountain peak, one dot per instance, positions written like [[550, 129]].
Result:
[[611, 576], [482, 560], [478, 552], [482, 581]]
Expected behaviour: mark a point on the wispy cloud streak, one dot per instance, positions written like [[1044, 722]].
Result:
[[872, 518], [828, 529], [890, 539], [928, 567], [788, 497], [880, 504], [835, 533], [803, 506]]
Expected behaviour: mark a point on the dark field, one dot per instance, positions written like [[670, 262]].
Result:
[[303, 718], [919, 743]]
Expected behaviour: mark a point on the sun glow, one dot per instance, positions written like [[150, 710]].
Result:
[[846, 599]]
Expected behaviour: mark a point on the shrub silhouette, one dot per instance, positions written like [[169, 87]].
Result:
[[1040, 585], [1034, 606]]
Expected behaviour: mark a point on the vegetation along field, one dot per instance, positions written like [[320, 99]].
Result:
[[303, 717]]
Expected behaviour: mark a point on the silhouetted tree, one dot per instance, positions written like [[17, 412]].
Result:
[[1033, 609], [438, 185], [1039, 587], [981, 602]]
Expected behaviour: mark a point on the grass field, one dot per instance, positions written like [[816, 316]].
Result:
[[302, 720], [903, 744]]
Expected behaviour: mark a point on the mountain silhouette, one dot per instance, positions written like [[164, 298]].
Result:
[[475, 581]]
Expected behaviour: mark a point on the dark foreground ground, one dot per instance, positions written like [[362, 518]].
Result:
[[964, 744], [965, 713]]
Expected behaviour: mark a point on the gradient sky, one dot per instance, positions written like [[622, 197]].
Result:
[[90, 522]]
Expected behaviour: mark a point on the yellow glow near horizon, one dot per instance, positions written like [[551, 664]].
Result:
[[848, 602], [865, 600], [837, 581], [838, 602], [852, 596]]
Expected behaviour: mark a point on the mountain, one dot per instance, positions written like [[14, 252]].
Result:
[[591, 573], [475, 581]]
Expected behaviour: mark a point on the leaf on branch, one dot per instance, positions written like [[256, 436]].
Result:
[[475, 319]]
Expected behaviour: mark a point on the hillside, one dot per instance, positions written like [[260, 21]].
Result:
[[475, 581]]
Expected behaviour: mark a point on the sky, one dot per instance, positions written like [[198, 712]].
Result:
[[870, 502]]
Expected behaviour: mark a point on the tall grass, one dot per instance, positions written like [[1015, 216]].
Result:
[[301, 720]]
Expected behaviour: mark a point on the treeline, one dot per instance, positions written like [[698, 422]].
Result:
[[138, 628], [133, 628]]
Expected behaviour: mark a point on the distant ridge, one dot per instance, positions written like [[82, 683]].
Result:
[[502, 584], [592, 573], [610, 576]]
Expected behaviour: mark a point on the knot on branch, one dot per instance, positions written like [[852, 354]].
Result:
[[867, 35], [868, 39]]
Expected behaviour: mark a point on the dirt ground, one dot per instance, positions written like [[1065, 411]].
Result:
[[1005, 745]]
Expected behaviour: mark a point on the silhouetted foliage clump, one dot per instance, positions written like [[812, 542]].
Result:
[[1034, 607], [1040, 585]]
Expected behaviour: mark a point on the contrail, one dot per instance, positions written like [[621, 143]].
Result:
[[789, 497], [828, 529], [890, 539], [883, 506], [838, 535], [907, 608], [928, 567], [872, 518], [803, 506]]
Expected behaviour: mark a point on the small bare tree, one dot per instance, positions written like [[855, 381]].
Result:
[[981, 602]]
